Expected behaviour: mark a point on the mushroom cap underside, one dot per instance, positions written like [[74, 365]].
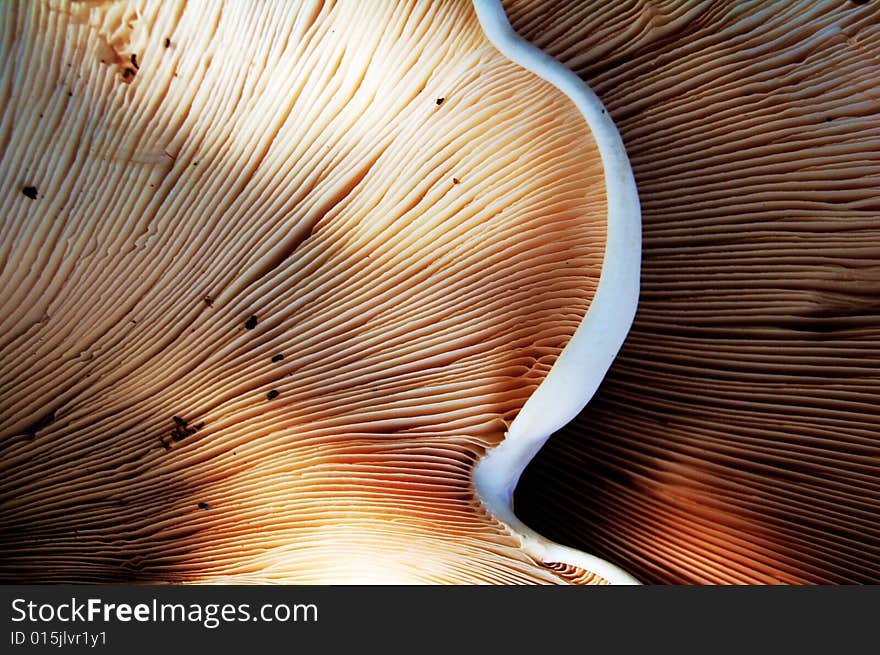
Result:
[[735, 439], [288, 270]]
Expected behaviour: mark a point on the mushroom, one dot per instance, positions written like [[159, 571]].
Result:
[[735, 439], [288, 274]]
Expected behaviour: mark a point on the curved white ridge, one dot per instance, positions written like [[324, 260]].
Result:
[[582, 365]]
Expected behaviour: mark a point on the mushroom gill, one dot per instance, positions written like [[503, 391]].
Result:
[[735, 439], [277, 276]]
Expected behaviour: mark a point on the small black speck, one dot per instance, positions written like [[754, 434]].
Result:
[[195, 163], [134, 61], [440, 101], [455, 180], [251, 323], [860, 2], [30, 192], [165, 444], [208, 301], [204, 506], [70, 94], [167, 43], [272, 395], [128, 73], [41, 115], [603, 111], [182, 429], [277, 358], [828, 119]]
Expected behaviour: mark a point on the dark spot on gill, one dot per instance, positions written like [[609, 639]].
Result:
[[182, 429]]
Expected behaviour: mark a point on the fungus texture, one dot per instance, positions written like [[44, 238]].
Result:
[[735, 439], [372, 189]]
